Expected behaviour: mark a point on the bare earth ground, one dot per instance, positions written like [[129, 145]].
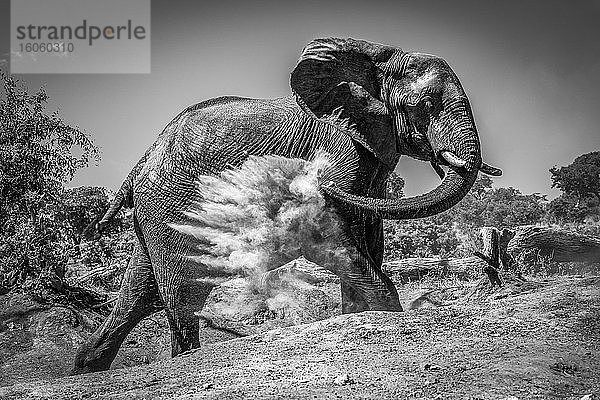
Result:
[[538, 339]]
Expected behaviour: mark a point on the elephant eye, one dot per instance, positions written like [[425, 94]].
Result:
[[428, 106]]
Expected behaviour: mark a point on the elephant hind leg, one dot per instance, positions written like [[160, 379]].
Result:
[[138, 298]]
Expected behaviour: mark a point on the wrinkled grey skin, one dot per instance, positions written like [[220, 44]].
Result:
[[365, 104]]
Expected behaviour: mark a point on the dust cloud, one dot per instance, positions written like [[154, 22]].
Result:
[[253, 219]]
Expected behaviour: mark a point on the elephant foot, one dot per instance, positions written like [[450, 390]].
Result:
[[353, 302], [352, 307], [90, 359]]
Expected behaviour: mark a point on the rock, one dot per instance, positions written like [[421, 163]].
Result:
[[431, 367], [296, 293], [343, 379]]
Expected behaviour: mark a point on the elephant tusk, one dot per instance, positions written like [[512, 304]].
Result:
[[489, 170], [438, 170], [453, 159]]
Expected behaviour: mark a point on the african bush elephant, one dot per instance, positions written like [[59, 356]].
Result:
[[365, 105]]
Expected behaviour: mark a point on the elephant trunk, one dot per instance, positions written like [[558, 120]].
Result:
[[459, 150], [451, 190]]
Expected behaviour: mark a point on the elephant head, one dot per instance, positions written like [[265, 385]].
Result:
[[394, 103]]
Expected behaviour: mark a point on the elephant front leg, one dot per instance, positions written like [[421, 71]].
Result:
[[184, 297], [352, 301], [364, 285], [366, 288], [184, 323]]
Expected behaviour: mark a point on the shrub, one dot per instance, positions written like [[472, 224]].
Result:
[[37, 157]]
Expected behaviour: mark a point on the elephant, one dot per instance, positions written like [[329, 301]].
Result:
[[364, 104]]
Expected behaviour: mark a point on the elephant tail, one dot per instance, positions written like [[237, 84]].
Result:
[[123, 198]]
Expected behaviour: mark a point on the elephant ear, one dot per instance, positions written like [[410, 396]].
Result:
[[340, 78]]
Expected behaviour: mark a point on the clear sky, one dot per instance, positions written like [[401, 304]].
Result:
[[530, 68]]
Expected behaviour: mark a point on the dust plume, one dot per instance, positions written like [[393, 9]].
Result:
[[255, 218]]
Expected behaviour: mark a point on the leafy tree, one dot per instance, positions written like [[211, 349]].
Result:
[[581, 178], [508, 207], [499, 207], [395, 186], [39, 153], [419, 238], [482, 185], [469, 212], [580, 184], [565, 209]]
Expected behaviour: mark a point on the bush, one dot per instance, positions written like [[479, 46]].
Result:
[[37, 157], [419, 238]]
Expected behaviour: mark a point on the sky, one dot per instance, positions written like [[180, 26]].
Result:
[[530, 68]]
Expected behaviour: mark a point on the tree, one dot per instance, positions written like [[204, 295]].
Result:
[[581, 178], [395, 186], [508, 207], [39, 153], [419, 238], [567, 208], [580, 184], [498, 207], [482, 185]]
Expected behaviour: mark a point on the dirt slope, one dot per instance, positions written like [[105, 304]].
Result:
[[536, 340], [39, 341]]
